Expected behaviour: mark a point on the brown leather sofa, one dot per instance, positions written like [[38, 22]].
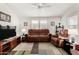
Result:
[[38, 35]]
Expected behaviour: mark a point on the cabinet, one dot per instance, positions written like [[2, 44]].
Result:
[[4, 47], [8, 45], [23, 39], [18, 40], [13, 43], [66, 46]]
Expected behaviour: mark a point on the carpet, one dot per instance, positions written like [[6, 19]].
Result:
[[35, 48], [16, 53]]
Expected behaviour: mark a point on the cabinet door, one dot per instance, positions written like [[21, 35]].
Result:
[[13, 43], [0, 49]]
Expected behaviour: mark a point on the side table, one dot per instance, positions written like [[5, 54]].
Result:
[[76, 46], [23, 38]]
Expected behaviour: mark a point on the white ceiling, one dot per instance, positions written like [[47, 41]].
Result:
[[28, 10]]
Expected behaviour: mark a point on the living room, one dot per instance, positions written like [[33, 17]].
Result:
[[30, 28]]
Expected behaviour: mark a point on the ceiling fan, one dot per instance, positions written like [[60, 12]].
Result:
[[41, 5]]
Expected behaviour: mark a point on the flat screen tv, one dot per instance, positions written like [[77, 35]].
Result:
[[7, 33]]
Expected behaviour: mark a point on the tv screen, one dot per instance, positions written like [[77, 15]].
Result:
[[6, 33]]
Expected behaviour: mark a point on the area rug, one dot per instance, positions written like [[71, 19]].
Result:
[[16, 53], [35, 48]]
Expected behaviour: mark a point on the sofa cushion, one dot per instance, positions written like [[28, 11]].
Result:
[[38, 35], [33, 32], [34, 35], [43, 35], [44, 31]]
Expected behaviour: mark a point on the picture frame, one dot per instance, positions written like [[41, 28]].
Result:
[[2, 16], [25, 23], [52, 23], [8, 18], [5, 17]]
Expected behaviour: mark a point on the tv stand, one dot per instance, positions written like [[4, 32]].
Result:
[[4, 47], [7, 45], [4, 41]]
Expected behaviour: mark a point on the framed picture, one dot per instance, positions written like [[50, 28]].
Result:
[[25, 23], [52, 23], [5, 17], [2, 16], [8, 18]]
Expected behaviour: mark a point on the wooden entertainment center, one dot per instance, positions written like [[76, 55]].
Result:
[[8, 38], [8, 44]]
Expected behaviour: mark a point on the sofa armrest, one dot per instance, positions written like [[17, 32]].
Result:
[[28, 35], [54, 36]]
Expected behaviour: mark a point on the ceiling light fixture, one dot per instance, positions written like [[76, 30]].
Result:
[[41, 5]]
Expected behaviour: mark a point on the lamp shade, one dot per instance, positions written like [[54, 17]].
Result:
[[23, 30], [73, 33]]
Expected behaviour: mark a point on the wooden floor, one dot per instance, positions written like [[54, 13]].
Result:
[[37, 49]]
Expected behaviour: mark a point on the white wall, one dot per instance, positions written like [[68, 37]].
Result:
[[22, 20], [74, 13], [56, 20], [49, 19], [19, 22], [14, 18]]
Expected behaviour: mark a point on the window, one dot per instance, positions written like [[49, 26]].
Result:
[[43, 24], [35, 24], [39, 24], [73, 25]]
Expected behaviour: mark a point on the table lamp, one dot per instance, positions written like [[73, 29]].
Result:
[[23, 31], [72, 33]]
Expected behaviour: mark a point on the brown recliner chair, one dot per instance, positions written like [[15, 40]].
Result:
[[38, 35], [57, 40]]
